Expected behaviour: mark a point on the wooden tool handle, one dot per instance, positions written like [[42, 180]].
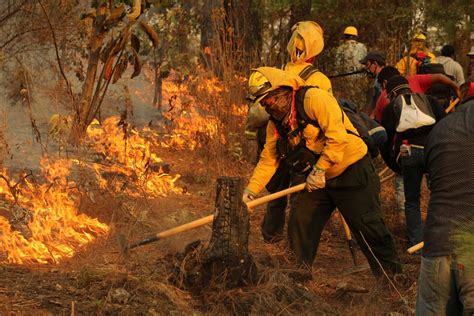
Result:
[[276, 195], [185, 227], [210, 218], [452, 105], [346, 227], [415, 248]]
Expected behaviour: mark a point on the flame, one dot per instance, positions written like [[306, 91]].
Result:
[[132, 156], [57, 230], [195, 115], [194, 108]]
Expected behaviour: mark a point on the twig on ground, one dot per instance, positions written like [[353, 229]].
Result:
[[383, 270], [13, 188], [381, 173], [387, 178]]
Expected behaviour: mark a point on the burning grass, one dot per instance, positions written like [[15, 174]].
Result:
[[41, 223], [53, 229], [128, 152], [125, 166]]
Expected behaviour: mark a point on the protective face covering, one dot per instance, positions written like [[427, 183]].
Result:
[[278, 104], [370, 74]]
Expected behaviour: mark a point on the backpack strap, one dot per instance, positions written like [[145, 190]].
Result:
[[303, 118], [307, 72]]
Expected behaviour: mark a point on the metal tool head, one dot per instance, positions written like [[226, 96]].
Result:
[[356, 269], [123, 244]]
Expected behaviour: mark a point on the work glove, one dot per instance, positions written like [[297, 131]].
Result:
[[316, 179], [248, 196]]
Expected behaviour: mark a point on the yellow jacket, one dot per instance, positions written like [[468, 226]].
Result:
[[337, 148], [316, 79], [402, 64]]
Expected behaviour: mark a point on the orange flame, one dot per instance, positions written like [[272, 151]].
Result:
[[57, 230], [134, 156]]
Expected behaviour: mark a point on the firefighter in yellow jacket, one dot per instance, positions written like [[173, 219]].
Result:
[[305, 44], [417, 56], [330, 156]]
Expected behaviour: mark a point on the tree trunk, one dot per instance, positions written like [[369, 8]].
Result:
[[231, 225], [225, 263], [84, 106], [243, 18], [158, 94], [207, 30]]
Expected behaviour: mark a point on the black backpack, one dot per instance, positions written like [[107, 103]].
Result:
[[300, 159], [371, 132]]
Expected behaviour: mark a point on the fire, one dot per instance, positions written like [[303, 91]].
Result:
[[54, 229], [194, 109], [131, 155]]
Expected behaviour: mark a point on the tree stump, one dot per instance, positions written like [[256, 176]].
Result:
[[225, 263]]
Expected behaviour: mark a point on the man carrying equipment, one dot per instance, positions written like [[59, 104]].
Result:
[[322, 147]]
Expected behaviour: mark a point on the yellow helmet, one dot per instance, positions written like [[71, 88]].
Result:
[[351, 30], [259, 86], [419, 37], [306, 41], [265, 79]]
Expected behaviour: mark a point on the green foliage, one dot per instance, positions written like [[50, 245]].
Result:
[[451, 21]]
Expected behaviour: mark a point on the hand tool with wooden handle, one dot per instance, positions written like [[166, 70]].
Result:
[[452, 104], [349, 238], [203, 221], [415, 248]]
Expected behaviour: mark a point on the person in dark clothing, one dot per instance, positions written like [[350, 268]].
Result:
[[374, 63], [467, 92], [411, 132], [446, 280], [441, 92]]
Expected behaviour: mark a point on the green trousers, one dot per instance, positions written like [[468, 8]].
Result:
[[356, 194]]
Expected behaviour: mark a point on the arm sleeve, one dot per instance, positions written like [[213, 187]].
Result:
[[459, 74], [401, 66], [388, 121], [268, 162], [323, 107], [362, 52], [437, 109], [425, 82], [382, 102]]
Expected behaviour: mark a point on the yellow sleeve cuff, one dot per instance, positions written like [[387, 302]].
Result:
[[247, 190], [323, 164]]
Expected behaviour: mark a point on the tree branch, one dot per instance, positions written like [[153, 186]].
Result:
[[57, 52], [12, 13], [11, 39]]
